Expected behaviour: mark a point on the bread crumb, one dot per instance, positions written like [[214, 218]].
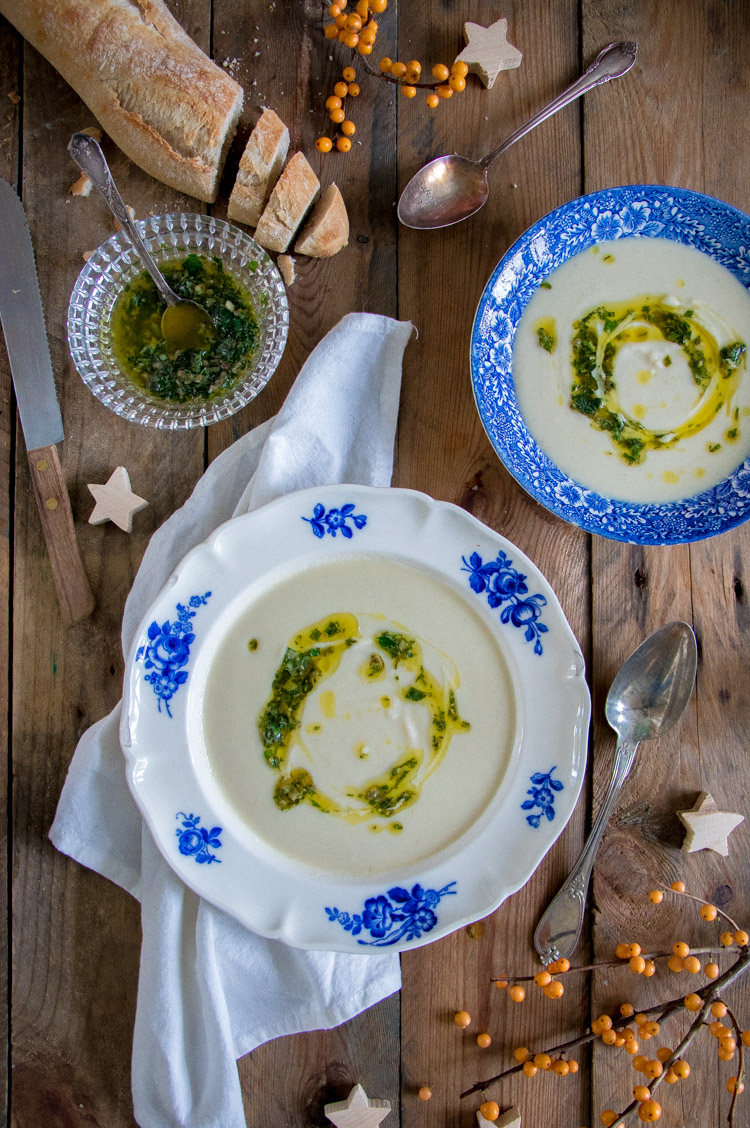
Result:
[[92, 131], [86, 255], [14, 96], [131, 213], [286, 265], [82, 186]]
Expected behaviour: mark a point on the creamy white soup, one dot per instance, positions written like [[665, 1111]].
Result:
[[630, 369], [359, 716]]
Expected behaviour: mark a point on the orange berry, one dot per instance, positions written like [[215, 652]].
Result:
[[604, 1022], [711, 970], [741, 937], [639, 1063], [692, 964], [398, 70], [674, 963], [663, 1053], [573, 1065], [649, 1111], [459, 69], [517, 993], [671, 1077], [542, 978], [462, 1019], [626, 1010], [653, 1068], [718, 1009], [349, 74], [352, 89], [483, 1041], [693, 1002], [561, 1068], [656, 896], [364, 48], [340, 21], [681, 949], [719, 1030], [634, 949], [709, 912], [733, 1086], [350, 39], [726, 1055], [348, 128], [440, 72], [333, 103], [378, 6], [608, 1117], [444, 92], [641, 1092], [432, 100], [542, 1061], [331, 31], [622, 951], [637, 964], [409, 91], [521, 1054], [324, 144], [563, 965], [650, 1028], [340, 90], [631, 1046], [385, 65], [727, 939], [619, 1041], [334, 10], [649, 969], [490, 1110], [728, 1045], [501, 984], [353, 22], [609, 1037], [414, 67], [641, 1019], [554, 990], [337, 116], [681, 1068], [678, 886], [425, 1093], [457, 84], [746, 1037], [529, 1069], [363, 9]]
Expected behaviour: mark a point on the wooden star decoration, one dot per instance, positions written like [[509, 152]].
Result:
[[707, 827], [487, 51], [357, 1111], [115, 501], [511, 1118]]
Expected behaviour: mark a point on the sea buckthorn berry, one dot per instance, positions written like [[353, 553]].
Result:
[[368, 35], [561, 1068], [398, 70], [459, 69], [678, 886], [656, 896], [631, 1046], [608, 1117], [340, 21], [364, 48], [425, 1093], [333, 103], [432, 100], [348, 74], [609, 1037], [554, 990], [649, 1111], [337, 116], [552, 967], [490, 1110], [628, 1033], [378, 6], [363, 9], [385, 65], [641, 1019], [671, 1077], [741, 937], [331, 31], [353, 22], [542, 978], [457, 84], [542, 1061], [634, 949], [573, 1065], [711, 970], [440, 72], [642, 1092], [727, 1044], [517, 993], [622, 951], [619, 1041], [663, 1053], [348, 128], [681, 1068], [727, 939], [563, 965], [596, 1027], [733, 1086], [709, 912], [651, 1028], [725, 1055], [718, 1009], [408, 91], [649, 969], [639, 1063], [501, 984], [693, 1002], [746, 1037], [529, 1069], [324, 144], [719, 1030], [637, 964], [483, 1041], [352, 89], [462, 1019], [414, 67], [334, 10], [351, 39], [521, 1054], [674, 963], [692, 964], [681, 949], [627, 1009], [653, 1068], [341, 90]]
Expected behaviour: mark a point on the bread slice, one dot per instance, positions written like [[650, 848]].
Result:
[[262, 161], [290, 200], [327, 229], [160, 99]]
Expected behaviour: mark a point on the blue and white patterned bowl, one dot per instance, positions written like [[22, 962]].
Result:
[[635, 211], [202, 836]]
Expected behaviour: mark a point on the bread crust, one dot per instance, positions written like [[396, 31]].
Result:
[[327, 229], [158, 96], [290, 200], [260, 165]]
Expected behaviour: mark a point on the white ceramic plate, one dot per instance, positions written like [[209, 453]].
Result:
[[197, 827]]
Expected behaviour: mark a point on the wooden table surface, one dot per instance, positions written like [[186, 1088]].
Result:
[[680, 117]]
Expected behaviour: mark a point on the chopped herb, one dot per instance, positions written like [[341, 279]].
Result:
[[730, 357], [545, 285], [414, 694], [397, 646], [292, 789], [252, 644], [332, 628], [314, 634], [732, 434], [375, 666], [667, 361], [546, 340], [713, 447]]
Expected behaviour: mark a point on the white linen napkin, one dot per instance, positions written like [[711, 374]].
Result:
[[209, 990]]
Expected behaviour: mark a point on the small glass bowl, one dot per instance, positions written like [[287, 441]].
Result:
[[115, 264]]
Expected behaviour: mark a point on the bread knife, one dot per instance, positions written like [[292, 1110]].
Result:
[[28, 352]]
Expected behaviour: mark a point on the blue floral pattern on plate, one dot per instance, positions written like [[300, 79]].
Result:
[[699, 221], [335, 521], [402, 914], [194, 840], [542, 796], [168, 651], [504, 584]]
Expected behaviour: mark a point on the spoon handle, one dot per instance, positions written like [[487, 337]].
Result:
[[559, 928], [613, 62], [88, 155]]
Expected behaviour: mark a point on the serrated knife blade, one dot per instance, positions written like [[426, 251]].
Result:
[[23, 325]]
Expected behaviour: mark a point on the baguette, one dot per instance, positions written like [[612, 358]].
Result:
[[160, 99], [327, 229], [261, 163], [290, 201]]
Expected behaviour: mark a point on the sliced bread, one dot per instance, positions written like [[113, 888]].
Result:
[[290, 200], [327, 229], [262, 161]]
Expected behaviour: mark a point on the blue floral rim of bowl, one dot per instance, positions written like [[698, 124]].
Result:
[[634, 211]]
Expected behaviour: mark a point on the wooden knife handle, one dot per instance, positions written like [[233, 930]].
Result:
[[73, 591]]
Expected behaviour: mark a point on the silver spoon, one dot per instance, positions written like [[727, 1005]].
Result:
[[452, 188], [184, 324], [647, 697]]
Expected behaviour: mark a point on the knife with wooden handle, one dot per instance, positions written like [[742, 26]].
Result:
[[28, 352]]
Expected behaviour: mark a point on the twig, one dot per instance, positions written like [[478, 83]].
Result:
[[702, 901], [740, 1070], [611, 963]]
